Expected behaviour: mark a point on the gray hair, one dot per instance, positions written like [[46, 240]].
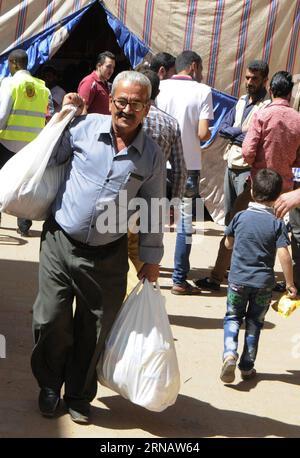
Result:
[[132, 77]]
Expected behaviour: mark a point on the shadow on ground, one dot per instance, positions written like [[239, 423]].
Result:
[[6, 239], [204, 323], [293, 377], [213, 232], [189, 417], [19, 415], [33, 233]]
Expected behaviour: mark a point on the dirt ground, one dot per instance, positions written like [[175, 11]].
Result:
[[268, 406]]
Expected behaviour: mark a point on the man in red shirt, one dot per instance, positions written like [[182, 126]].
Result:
[[273, 138], [94, 88]]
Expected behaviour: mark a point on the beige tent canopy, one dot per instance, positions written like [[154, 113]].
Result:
[[226, 33]]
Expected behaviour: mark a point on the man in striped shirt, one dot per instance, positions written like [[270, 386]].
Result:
[[165, 131]]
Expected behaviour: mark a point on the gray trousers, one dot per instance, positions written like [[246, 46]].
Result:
[[295, 243], [234, 184], [67, 345]]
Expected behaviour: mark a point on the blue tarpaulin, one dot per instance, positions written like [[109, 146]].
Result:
[[222, 103], [38, 47], [133, 48]]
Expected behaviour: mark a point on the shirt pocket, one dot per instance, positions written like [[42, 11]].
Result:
[[130, 187], [115, 184]]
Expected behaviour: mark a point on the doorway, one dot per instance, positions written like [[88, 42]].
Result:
[[77, 56]]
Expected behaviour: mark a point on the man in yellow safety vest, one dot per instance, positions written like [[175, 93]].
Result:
[[24, 105]]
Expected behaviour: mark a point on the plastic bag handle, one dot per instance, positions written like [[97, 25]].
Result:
[[156, 284], [143, 281], [66, 119], [136, 288]]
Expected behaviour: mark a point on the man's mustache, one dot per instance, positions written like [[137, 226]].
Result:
[[121, 114]]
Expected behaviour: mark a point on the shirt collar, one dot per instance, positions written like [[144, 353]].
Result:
[[19, 72], [106, 127], [138, 141], [260, 207], [279, 101], [182, 77], [96, 77]]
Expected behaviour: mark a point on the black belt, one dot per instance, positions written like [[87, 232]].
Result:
[[84, 246]]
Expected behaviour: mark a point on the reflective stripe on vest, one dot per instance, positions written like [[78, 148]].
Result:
[[28, 113], [27, 118]]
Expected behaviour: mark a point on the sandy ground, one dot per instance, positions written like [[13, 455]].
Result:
[[268, 406]]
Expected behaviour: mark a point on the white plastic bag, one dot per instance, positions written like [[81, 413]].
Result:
[[139, 360], [27, 187]]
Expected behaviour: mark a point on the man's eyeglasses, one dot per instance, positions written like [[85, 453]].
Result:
[[121, 104]]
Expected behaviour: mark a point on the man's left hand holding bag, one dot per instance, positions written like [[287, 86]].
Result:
[[74, 99]]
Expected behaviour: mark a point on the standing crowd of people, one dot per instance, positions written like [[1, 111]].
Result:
[[122, 138]]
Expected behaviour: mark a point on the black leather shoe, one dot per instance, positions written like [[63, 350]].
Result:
[[48, 401], [207, 283]]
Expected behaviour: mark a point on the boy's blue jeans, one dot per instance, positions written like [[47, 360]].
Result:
[[251, 304]]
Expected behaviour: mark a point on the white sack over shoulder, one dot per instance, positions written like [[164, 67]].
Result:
[[27, 187], [139, 360]]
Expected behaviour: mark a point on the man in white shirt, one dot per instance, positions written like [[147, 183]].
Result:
[[190, 102], [163, 64]]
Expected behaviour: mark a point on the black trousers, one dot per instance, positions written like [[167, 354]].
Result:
[[5, 155], [67, 344]]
